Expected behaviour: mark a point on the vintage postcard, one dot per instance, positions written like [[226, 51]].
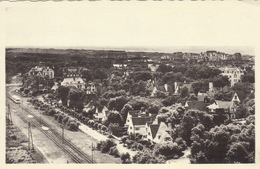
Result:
[[106, 84]]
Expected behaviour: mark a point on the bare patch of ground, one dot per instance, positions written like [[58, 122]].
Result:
[[16, 148]]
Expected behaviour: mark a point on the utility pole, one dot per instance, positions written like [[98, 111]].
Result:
[[92, 150], [30, 138], [9, 116], [62, 127], [40, 118]]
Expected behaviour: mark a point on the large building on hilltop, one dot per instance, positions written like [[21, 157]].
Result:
[[42, 71], [234, 74]]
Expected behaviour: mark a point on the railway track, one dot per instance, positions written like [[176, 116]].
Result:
[[76, 154]]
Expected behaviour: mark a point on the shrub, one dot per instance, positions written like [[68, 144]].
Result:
[[125, 157], [56, 116], [65, 119], [99, 144], [114, 151], [104, 128], [170, 150], [72, 125], [124, 138], [105, 147]]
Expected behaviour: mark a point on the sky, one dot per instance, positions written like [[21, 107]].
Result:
[[150, 26]]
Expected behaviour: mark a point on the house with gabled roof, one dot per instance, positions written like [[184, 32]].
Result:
[[130, 114], [150, 131], [77, 82], [89, 106], [101, 113], [228, 107], [179, 85], [163, 134], [42, 71], [234, 74], [137, 125], [91, 88]]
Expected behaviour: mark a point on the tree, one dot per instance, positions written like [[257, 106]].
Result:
[[87, 74], [164, 68], [238, 153], [170, 150], [115, 117], [76, 98], [106, 145], [170, 100], [221, 81], [232, 143], [172, 77], [249, 77], [243, 89], [160, 94], [142, 75], [153, 109], [63, 94], [190, 119], [138, 88], [117, 103], [184, 92], [125, 157], [127, 107], [100, 74], [146, 157]]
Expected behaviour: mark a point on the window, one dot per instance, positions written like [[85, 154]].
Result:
[[131, 128], [167, 139], [159, 136], [149, 133]]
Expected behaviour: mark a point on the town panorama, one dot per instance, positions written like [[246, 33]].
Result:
[[112, 106]]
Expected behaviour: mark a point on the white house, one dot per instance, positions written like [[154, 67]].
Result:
[[42, 71], [153, 67], [91, 88], [234, 74], [130, 114], [163, 134], [119, 66], [55, 86], [73, 81], [48, 73], [137, 125], [101, 115], [150, 131]]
